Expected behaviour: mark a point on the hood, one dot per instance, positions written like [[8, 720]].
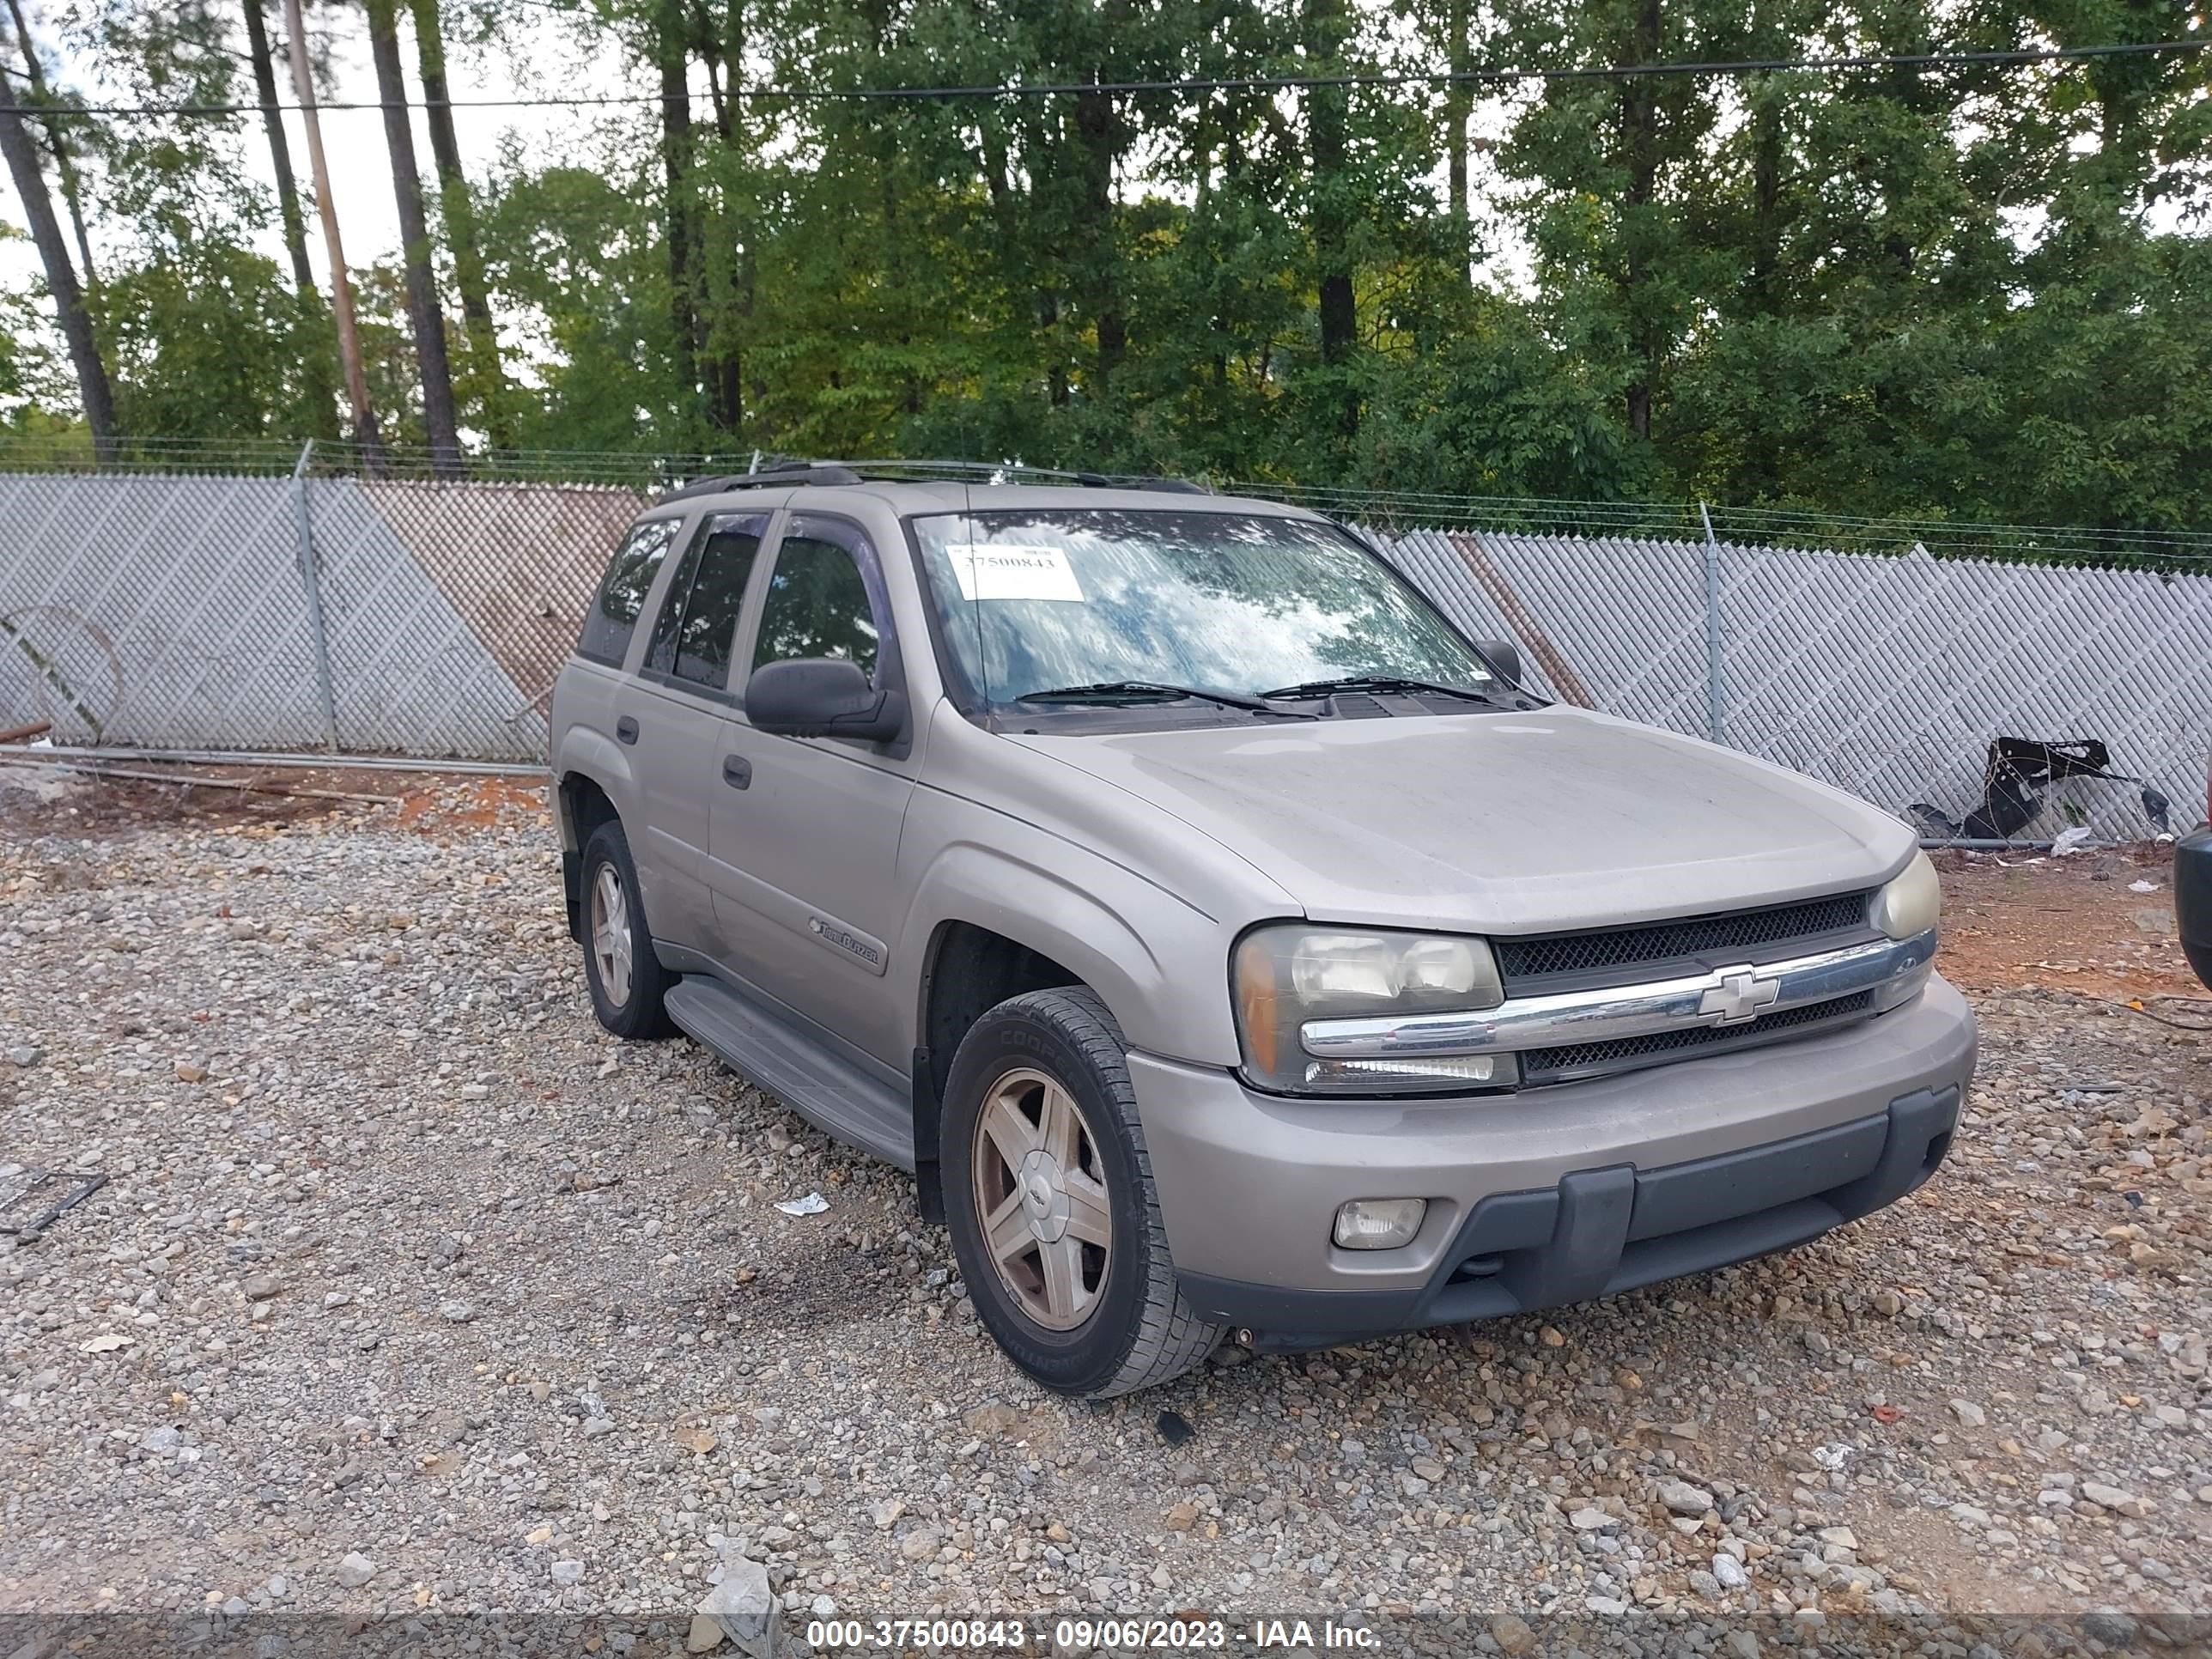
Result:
[[1505, 822]]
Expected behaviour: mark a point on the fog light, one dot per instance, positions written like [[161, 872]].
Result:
[[1422, 1070], [1379, 1223]]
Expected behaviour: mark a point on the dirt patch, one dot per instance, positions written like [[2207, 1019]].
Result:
[[447, 806], [2076, 924], [42, 800]]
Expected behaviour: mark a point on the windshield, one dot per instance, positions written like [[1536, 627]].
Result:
[[1039, 600]]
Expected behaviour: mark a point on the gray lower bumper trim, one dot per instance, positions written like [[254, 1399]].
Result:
[[1603, 1230]]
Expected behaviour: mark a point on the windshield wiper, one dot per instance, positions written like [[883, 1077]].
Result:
[[1377, 683], [1156, 690]]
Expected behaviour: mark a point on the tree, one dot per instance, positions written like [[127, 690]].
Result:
[[58, 140], [1327, 27], [425, 314], [322, 419], [672, 55], [457, 211], [21, 156], [1967, 289]]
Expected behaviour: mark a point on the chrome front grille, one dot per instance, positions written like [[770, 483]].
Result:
[[1559, 1031], [1580, 1060], [1775, 931]]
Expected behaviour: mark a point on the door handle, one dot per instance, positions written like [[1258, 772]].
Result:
[[626, 729], [737, 771]]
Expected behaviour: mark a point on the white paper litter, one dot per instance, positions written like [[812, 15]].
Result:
[[2069, 842], [812, 1204], [2142, 887]]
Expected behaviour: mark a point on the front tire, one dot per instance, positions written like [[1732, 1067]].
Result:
[[1050, 1198], [626, 978]]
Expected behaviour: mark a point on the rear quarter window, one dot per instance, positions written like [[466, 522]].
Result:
[[613, 616]]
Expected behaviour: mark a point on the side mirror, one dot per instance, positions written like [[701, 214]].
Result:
[[1503, 655], [823, 698]]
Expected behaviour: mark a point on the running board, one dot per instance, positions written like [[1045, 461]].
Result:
[[829, 1092]]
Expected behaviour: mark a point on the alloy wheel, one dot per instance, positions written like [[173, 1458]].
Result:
[[611, 939], [1041, 1192]]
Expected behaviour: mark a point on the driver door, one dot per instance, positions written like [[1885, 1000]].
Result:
[[804, 835]]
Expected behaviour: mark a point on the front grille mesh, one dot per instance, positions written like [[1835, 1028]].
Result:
[[1690, 936], [1545, 1065]]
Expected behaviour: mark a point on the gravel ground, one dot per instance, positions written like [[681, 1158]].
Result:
[[409, 1290]]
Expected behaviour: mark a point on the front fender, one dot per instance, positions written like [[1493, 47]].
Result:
[[1159, 964]]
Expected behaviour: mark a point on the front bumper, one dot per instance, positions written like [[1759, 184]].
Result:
[[1549, 1196]]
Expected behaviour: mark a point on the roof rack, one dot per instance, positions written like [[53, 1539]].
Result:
[[852, 472], [1015, 473], [807, 472]]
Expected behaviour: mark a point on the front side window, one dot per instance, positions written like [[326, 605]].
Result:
[[817, 606], [1047, 599], [613, 616], [698, 621]]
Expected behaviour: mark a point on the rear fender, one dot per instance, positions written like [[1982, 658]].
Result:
[[585, 755]]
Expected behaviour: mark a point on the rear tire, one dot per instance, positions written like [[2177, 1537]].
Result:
[[626, 978], [1050, 1198]]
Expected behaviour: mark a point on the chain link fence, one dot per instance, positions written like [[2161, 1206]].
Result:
[[294, 614], [404, 615], [1891, 677]]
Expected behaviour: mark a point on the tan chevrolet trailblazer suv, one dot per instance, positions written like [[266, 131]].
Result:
[[1228, 944]]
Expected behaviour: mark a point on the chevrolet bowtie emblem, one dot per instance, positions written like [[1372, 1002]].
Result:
[[1739, 996]]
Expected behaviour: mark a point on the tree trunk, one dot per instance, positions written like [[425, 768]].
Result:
[[423, 312], [1325, 29], [1639, 124], [1099, 133], [726, 360], [72, 192], [457, 211], [93, 389], [676, 158], [356, 374], [1459, 104], [1766, 195], [280, 148], [315, 369]]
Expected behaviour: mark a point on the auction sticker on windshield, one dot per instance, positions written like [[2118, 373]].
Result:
[[990, 570]]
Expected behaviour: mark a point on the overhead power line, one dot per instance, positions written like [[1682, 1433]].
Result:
[[1916, 61]]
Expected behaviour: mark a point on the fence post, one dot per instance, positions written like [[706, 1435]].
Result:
[[1715, 692], [310, 579]]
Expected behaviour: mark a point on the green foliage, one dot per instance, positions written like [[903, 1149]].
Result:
[[1969, 292], [208, 338]]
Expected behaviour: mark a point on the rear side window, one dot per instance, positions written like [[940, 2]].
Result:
[[698, 621], [817, 606], [613, 615]]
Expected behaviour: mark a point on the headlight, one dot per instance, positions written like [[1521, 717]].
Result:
[[1910, 902], [1285, 975]]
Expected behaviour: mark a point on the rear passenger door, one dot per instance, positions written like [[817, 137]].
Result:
[[803, 852], [684, 679]]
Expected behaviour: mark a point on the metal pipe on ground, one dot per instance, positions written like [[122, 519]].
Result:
[[1986, 845], [185, 780], [320, 762]]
